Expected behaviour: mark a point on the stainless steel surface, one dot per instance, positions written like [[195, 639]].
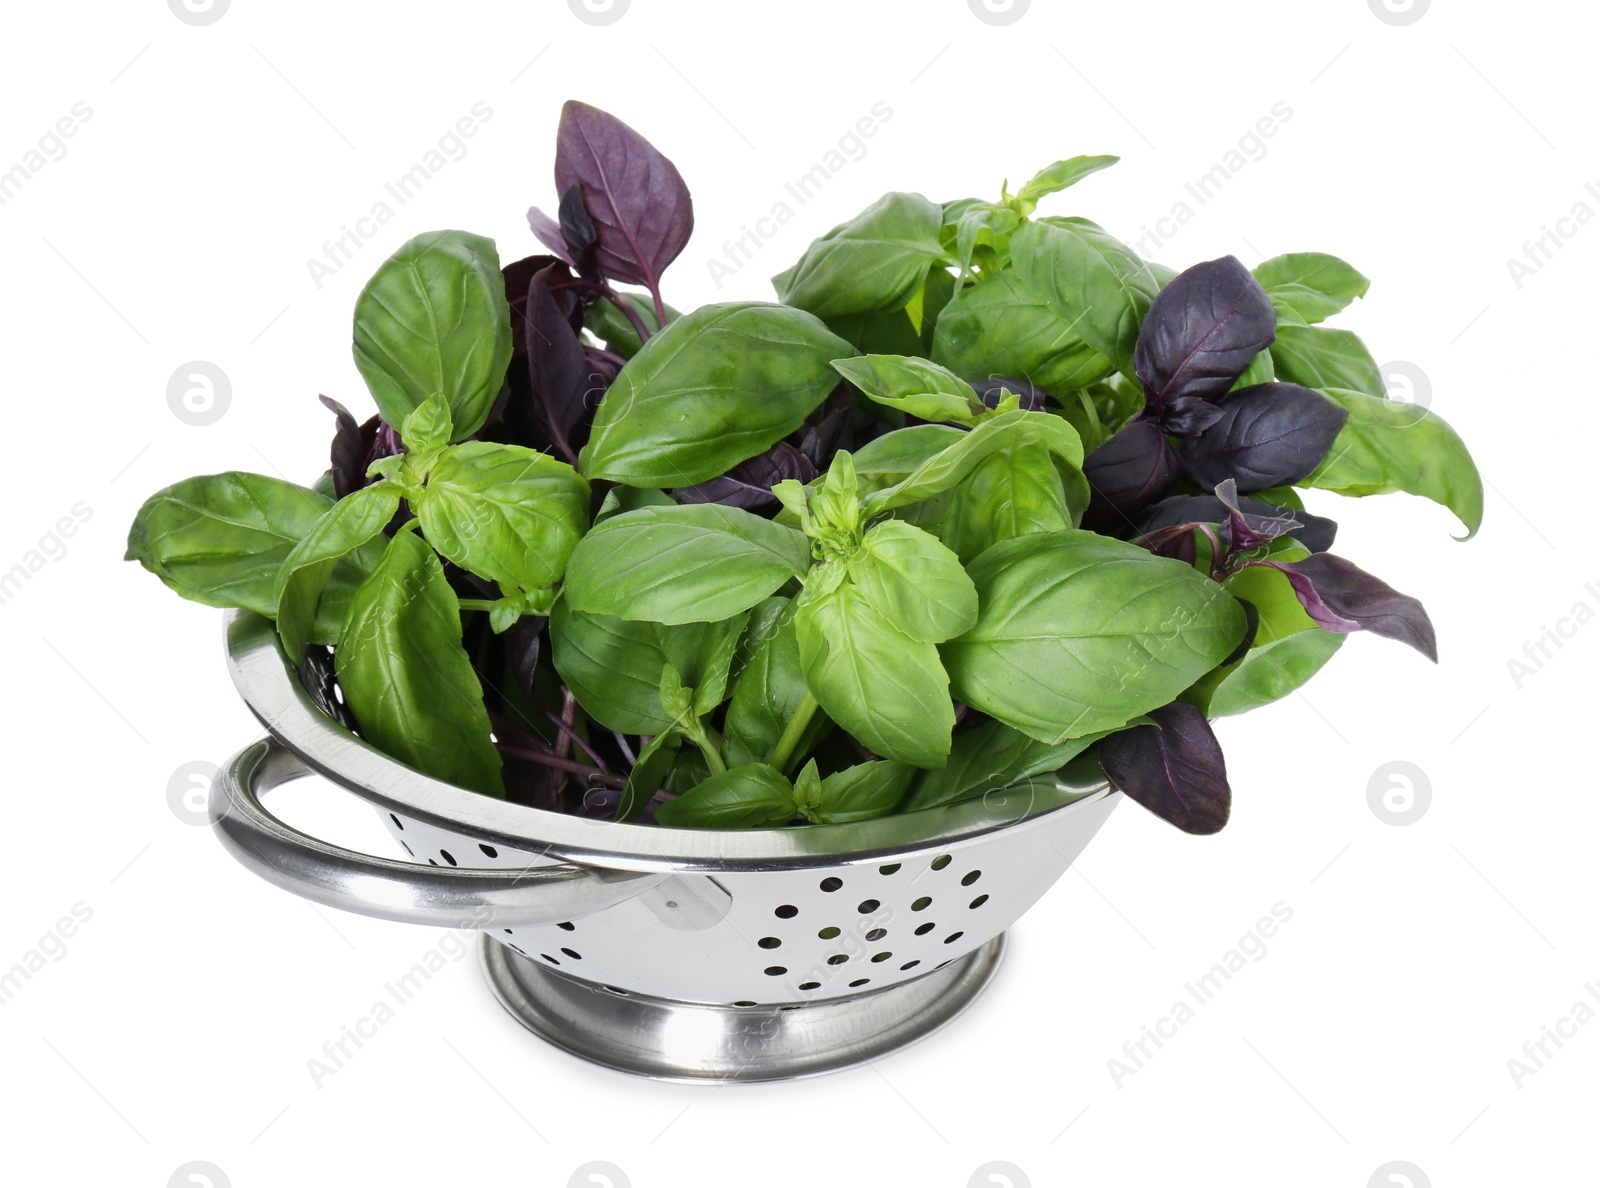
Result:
[[391, 890], [691, 1042], [813, 920]]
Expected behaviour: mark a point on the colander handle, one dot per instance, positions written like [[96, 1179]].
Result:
[[390, 890]]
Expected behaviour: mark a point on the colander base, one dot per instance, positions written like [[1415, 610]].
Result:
[[668, 1040]]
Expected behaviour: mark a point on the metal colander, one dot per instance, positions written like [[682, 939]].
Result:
[[687, 954]]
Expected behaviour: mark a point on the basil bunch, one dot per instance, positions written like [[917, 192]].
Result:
[[982, 495]]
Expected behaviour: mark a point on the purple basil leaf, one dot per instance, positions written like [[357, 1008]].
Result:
[[990, 390], [521, 641], [549, 233], [1252, 619], [749, 484], [1172, 540], [1315, 532], [1202, 331], [1174, 768], [348, 453], [1340, 597], [638, 203], [1239, 534], [578, 232], [517, 276], [560, 374], [1188, 416], [819, 436], [1270, 435], [1130, 471]]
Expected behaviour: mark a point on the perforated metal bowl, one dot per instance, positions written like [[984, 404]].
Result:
[[675, 953]]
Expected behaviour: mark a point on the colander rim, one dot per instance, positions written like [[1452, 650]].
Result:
[[267, 683]]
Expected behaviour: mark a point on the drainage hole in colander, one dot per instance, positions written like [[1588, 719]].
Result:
[[488, 851], [396, 820], [921, 904], [890, 869], [445, 854], [431, 862], [971, 877], [810, 985], [838, 959], [550, 959], [911, 965], [882, 956], [745, 1002], [508, 932], [769, 942], [775, 971], [831, 884], [942, 861], [860, 982], [877, 934], [924, 929], [867, 906], [409, 850], [828, 933], [786, 911], [574, 955], [952, 938], [566, 926], [979, 902], [617, 990]]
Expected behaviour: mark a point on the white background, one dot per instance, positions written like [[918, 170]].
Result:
[[1419, 959]]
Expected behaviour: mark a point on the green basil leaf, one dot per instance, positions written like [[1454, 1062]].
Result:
[[885, 688], [988, 758], [627, 499], [1008, 431], [713, 388], [1010, 493], [914, 581], [614, 328], [405, 675], [887, 331], [1386, 446], [753, 796], [345, 527], [658, 757], [1260, 371], [1091, 280], [504, 512], [1273, 670], [770, 689], [613, 666], [887, 459], [434, 318], [1058, 176], [1278, 607], [426, 429], [1308, 287], [1324, 357], [1079, 633], [984, 225], [914, 386], [220, 539], [861, 793], [696, 563], [1000, 327], [876, 261]]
